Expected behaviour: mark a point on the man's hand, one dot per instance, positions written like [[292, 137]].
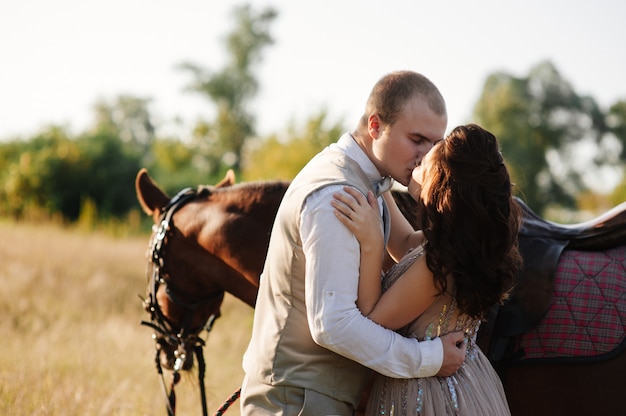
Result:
[[454, 348]]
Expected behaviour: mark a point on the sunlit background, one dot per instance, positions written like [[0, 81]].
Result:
[[73, 72], [58, 57]]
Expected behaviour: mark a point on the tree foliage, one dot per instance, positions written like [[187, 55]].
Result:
[[555, 141], [273, 158], [28, 167], [616, 121], [232, 88], [127, 117], [543, 125], [54, 174]]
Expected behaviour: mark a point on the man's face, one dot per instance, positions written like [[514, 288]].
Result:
[[401, 146]]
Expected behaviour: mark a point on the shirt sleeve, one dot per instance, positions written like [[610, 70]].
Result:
[[332, 263]]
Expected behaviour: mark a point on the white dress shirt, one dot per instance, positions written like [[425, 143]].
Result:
[[332, 264]]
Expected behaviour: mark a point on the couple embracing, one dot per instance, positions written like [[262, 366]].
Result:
[[329, 325]]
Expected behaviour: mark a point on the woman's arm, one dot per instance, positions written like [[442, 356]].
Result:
[[412, 293], [402, 236], [407, 298]]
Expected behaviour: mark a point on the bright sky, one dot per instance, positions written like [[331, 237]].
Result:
[[57, 57]]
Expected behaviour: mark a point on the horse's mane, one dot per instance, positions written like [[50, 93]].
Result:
[[261, 192], [258, 192], [250, 192]]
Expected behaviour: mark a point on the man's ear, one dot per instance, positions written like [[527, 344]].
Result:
[[373, 125]]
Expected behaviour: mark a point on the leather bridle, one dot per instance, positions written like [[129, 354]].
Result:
[[165, 330]]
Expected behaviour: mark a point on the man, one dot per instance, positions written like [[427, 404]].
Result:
[[311, 350]]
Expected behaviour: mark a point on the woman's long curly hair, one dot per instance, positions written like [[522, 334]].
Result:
[[470, 219]]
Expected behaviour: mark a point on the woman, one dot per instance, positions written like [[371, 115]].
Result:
[[461, 262]]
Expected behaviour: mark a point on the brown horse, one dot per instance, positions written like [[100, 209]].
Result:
[[214, 239], [206, 241]]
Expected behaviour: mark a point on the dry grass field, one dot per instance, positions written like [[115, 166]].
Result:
[[71, 342]]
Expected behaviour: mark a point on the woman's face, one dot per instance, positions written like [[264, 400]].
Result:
[[420, 175]]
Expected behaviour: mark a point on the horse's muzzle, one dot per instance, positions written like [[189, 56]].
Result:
[[174, 357]]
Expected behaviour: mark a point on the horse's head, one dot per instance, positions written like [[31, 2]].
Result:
[[182, 297], [205, 242]]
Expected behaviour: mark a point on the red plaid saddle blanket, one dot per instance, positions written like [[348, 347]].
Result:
[[587, 313]]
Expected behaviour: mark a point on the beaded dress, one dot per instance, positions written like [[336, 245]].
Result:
[[473, 390]]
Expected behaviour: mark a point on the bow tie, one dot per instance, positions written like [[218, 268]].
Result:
[[383, 185]]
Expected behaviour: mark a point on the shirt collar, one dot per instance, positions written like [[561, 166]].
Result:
[[349, 145]]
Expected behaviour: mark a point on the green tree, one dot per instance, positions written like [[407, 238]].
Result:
[[542, 125], [126, 123], [129, 118], [29, 167], [105, 175], [616, 121], [231, 89], [176, 166], [273, 158], [53, 174]]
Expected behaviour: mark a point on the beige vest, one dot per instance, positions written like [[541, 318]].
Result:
[[281, 351]]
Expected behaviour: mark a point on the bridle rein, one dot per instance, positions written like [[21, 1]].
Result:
[[165, 329]]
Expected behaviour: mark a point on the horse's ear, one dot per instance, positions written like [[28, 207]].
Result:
[[229, 179], [150, 196]]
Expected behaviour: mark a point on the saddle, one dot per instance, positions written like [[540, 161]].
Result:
[[600, 233], [542, 243]]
